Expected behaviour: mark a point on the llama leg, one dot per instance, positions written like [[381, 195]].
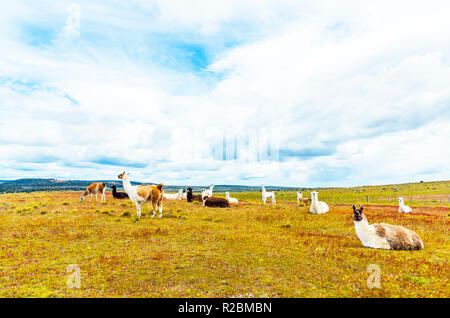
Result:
[[160, 209], [138, 209], [90, 197], [273, 201], [154, 209], [264, 200], [96, 198]]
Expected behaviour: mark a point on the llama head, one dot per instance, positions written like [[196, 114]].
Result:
[[122, 175], [358, 213], [189, 189], [400, 200], [83, 196], [113, 187], [314, 194]]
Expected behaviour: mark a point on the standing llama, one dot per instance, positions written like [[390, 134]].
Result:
[[384, 236], [266, 195], [402, 208], [208, 192], [143, 194], [230, 199], [317, 206], [95, 188], [301, 200]]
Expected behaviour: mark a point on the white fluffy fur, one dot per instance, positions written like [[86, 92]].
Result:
[[402, 208], [266, 195], [367, 234], [317, 206], [230, 199], [208, 192], [173, 196], [299, 196], [135, 197]]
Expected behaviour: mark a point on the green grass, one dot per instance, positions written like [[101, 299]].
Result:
[[248, 250]]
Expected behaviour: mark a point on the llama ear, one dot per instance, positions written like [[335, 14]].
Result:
[[354, 208], [361, 208]]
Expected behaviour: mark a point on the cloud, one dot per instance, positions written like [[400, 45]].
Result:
[[220, 91]]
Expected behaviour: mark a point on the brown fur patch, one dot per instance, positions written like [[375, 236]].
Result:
[[398, 237], [380, 230]]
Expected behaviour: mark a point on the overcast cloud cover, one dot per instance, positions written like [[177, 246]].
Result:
[[295, 93]]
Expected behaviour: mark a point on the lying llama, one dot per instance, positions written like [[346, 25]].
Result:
[[118, 195], [95, 188], [384, 236], [214, 202], [230, 199], [173, 196], [317, 206], [402, 207], [143, 194], [266, 195], [193, 197], [301, 200]]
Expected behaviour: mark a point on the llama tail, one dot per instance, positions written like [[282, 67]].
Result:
[[160, 186]]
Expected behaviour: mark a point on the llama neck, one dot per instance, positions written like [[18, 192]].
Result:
[[314, 201], [126, 184], [362, 226], [263, 189], [401, 204], [227, 195]]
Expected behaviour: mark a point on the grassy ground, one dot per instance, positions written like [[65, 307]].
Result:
[[248, 250]]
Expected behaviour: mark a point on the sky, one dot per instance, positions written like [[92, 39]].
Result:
[[288, 93]]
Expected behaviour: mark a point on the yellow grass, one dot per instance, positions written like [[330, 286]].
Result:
[[248, 250]]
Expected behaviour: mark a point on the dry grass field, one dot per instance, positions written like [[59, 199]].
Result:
[[249, 250]]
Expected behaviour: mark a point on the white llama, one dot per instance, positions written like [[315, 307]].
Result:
[[143, 194], [230, 199], [402, 207], [317, 206], [208, 192], [266, 195], [384, 236]]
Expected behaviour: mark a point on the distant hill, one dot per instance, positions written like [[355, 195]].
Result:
[[31, 185]]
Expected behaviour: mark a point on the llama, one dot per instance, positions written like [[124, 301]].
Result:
[[214, 202], [384, 236], [230, 199], [209, 191], [317, 206], [193, 197], [143, 194], [184, 194], [173, 196], [301, 200], [95, 188], [118, 195], [402, 207], [266, 195]]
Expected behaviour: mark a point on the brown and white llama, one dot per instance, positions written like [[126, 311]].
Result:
[[384, 236], [142, 194], [95, 188]]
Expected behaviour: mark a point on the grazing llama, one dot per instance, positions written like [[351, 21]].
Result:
[[193, 197], [118, 195], [402, 207], [143, 194], [384, 236], [95, 188], [317, 206], [266, 195], [301, 200], [230, 199], [214, 202]]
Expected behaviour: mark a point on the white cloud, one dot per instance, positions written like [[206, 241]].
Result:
[[355, 93]]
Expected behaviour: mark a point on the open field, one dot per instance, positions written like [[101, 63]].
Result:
[[248, 250]]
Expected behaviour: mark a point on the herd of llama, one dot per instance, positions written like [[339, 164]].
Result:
[[377, 235]]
